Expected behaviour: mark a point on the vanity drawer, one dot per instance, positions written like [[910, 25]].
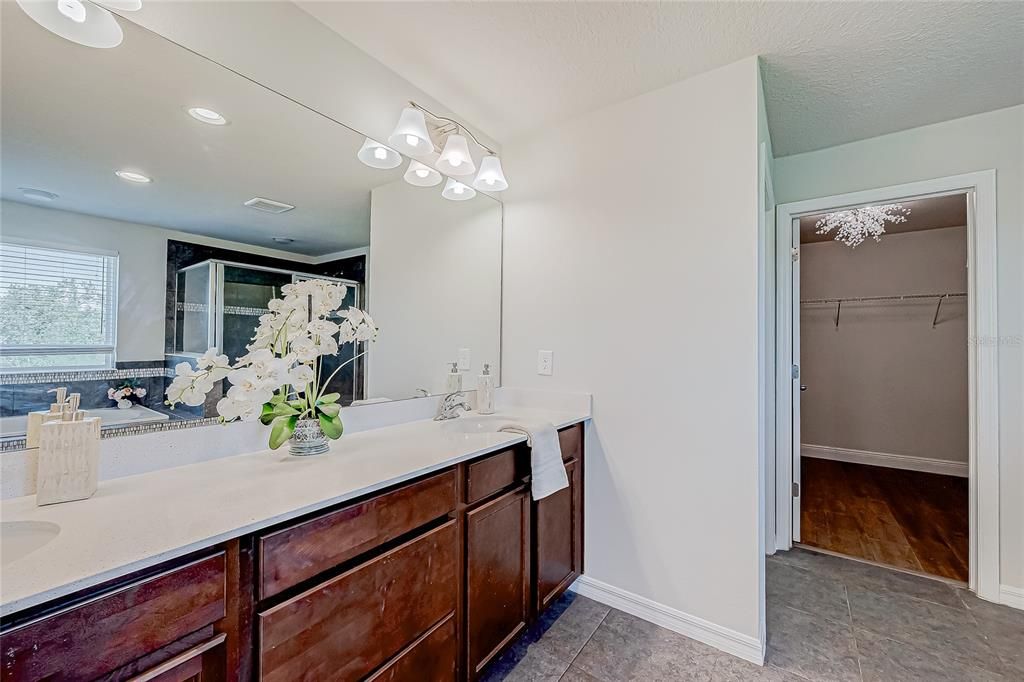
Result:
[[496, 472], [431, 658], [291, 555], [570, 440], [355, 622], [91, 639]]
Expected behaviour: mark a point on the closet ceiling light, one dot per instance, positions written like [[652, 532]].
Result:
[[456, 191], [376, 155], [853, 226], [410, 135], [421, 175], [205, 115], [490, 178], [80, 21], [455, 159], [132, 176]]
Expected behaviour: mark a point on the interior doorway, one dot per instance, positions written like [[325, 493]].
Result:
[[887, 454]]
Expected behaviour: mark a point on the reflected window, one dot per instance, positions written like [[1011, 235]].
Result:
[[58, 308]]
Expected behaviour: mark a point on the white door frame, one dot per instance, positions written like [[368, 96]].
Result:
[[983, 386]]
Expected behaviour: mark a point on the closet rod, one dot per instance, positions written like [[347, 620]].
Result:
[[906, 297]]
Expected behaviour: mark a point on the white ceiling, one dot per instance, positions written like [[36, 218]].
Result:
[[932, 213], [834, 72], [72, 115]]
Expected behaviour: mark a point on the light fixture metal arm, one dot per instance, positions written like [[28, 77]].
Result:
[[455, 123]]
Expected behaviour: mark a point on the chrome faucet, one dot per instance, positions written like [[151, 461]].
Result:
[[449, 406]]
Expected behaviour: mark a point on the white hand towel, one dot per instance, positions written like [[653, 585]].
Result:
[[547, 470]]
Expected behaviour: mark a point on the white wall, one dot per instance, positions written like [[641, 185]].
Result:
[[631, 251], [142, 265], [885, 381], [434, 286], [991, 140]]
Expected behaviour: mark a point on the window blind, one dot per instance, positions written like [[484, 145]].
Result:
[[58, 308]]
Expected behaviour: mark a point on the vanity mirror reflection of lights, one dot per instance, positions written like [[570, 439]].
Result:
[[157, 210]]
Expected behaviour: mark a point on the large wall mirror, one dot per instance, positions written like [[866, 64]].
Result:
[[136, 233]]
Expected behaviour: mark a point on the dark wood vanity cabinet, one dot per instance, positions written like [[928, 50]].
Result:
[[428, 581]]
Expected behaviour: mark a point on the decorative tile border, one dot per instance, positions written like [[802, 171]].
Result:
[[228, 309], [18, 443], [70, 376]]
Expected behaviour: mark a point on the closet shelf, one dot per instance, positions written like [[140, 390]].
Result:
[[905, 297]]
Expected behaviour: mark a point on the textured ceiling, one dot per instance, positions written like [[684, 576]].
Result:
[[834, 72]]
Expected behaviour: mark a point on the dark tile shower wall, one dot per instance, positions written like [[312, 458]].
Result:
[[21, 398], [183, 254]]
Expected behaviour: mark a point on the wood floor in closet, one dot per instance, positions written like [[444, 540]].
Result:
[[906, 519]]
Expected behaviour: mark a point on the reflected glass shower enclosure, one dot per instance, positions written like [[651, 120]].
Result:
[[218, 305]]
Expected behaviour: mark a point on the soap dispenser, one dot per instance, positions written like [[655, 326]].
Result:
[[37, 419], [485, 391], [69, 455], [454, 382]]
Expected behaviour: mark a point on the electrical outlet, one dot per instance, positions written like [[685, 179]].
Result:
[[545, 362], [465, 359]]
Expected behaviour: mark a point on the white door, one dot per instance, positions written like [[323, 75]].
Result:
[[798, 386]]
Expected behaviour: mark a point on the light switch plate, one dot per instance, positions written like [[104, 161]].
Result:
[[545, 362], [465, 359]]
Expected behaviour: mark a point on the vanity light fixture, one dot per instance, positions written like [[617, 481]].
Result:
[[455, 158], [421, 175], [376, 155], [37, 194], [410, 135], [490, 178], [456, 191], [132, 176], [204, 115], [81, 21]]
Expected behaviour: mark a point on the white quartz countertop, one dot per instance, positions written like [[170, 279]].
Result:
[[139, 521]]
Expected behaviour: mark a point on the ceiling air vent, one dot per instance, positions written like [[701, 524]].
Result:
[[268, 205]]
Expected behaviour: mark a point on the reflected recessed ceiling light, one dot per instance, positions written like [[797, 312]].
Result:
[[282, 240], [207, 116], [37, 194], [131, 176]]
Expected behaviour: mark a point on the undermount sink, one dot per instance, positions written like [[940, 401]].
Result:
[[473, 423], [18, 539]]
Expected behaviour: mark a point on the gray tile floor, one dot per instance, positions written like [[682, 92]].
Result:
[[828, 619]]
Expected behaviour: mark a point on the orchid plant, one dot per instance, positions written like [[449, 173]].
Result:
[[279, 381]]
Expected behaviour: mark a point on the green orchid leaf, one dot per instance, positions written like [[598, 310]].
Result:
[[297, 404], [281, 431], [332, 426], [331, 410], [278, 398], [329, 398], [267, 415], [283, 410]]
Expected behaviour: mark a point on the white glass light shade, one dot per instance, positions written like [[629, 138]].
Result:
[[376, 155], [455, 158], [490, 178], [410, 135], [456, 191], [98, 27], [421, 176], [123, 5]]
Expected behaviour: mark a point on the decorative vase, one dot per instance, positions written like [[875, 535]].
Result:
[[308, 439]]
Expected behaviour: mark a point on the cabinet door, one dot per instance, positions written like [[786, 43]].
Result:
[[497, 575], [558, 538], [201, 663]]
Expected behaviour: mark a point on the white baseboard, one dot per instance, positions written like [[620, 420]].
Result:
[[729, 641], [886, 459], [1011, 596]]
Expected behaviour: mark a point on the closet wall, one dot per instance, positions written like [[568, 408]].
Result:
[[885, 382]]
